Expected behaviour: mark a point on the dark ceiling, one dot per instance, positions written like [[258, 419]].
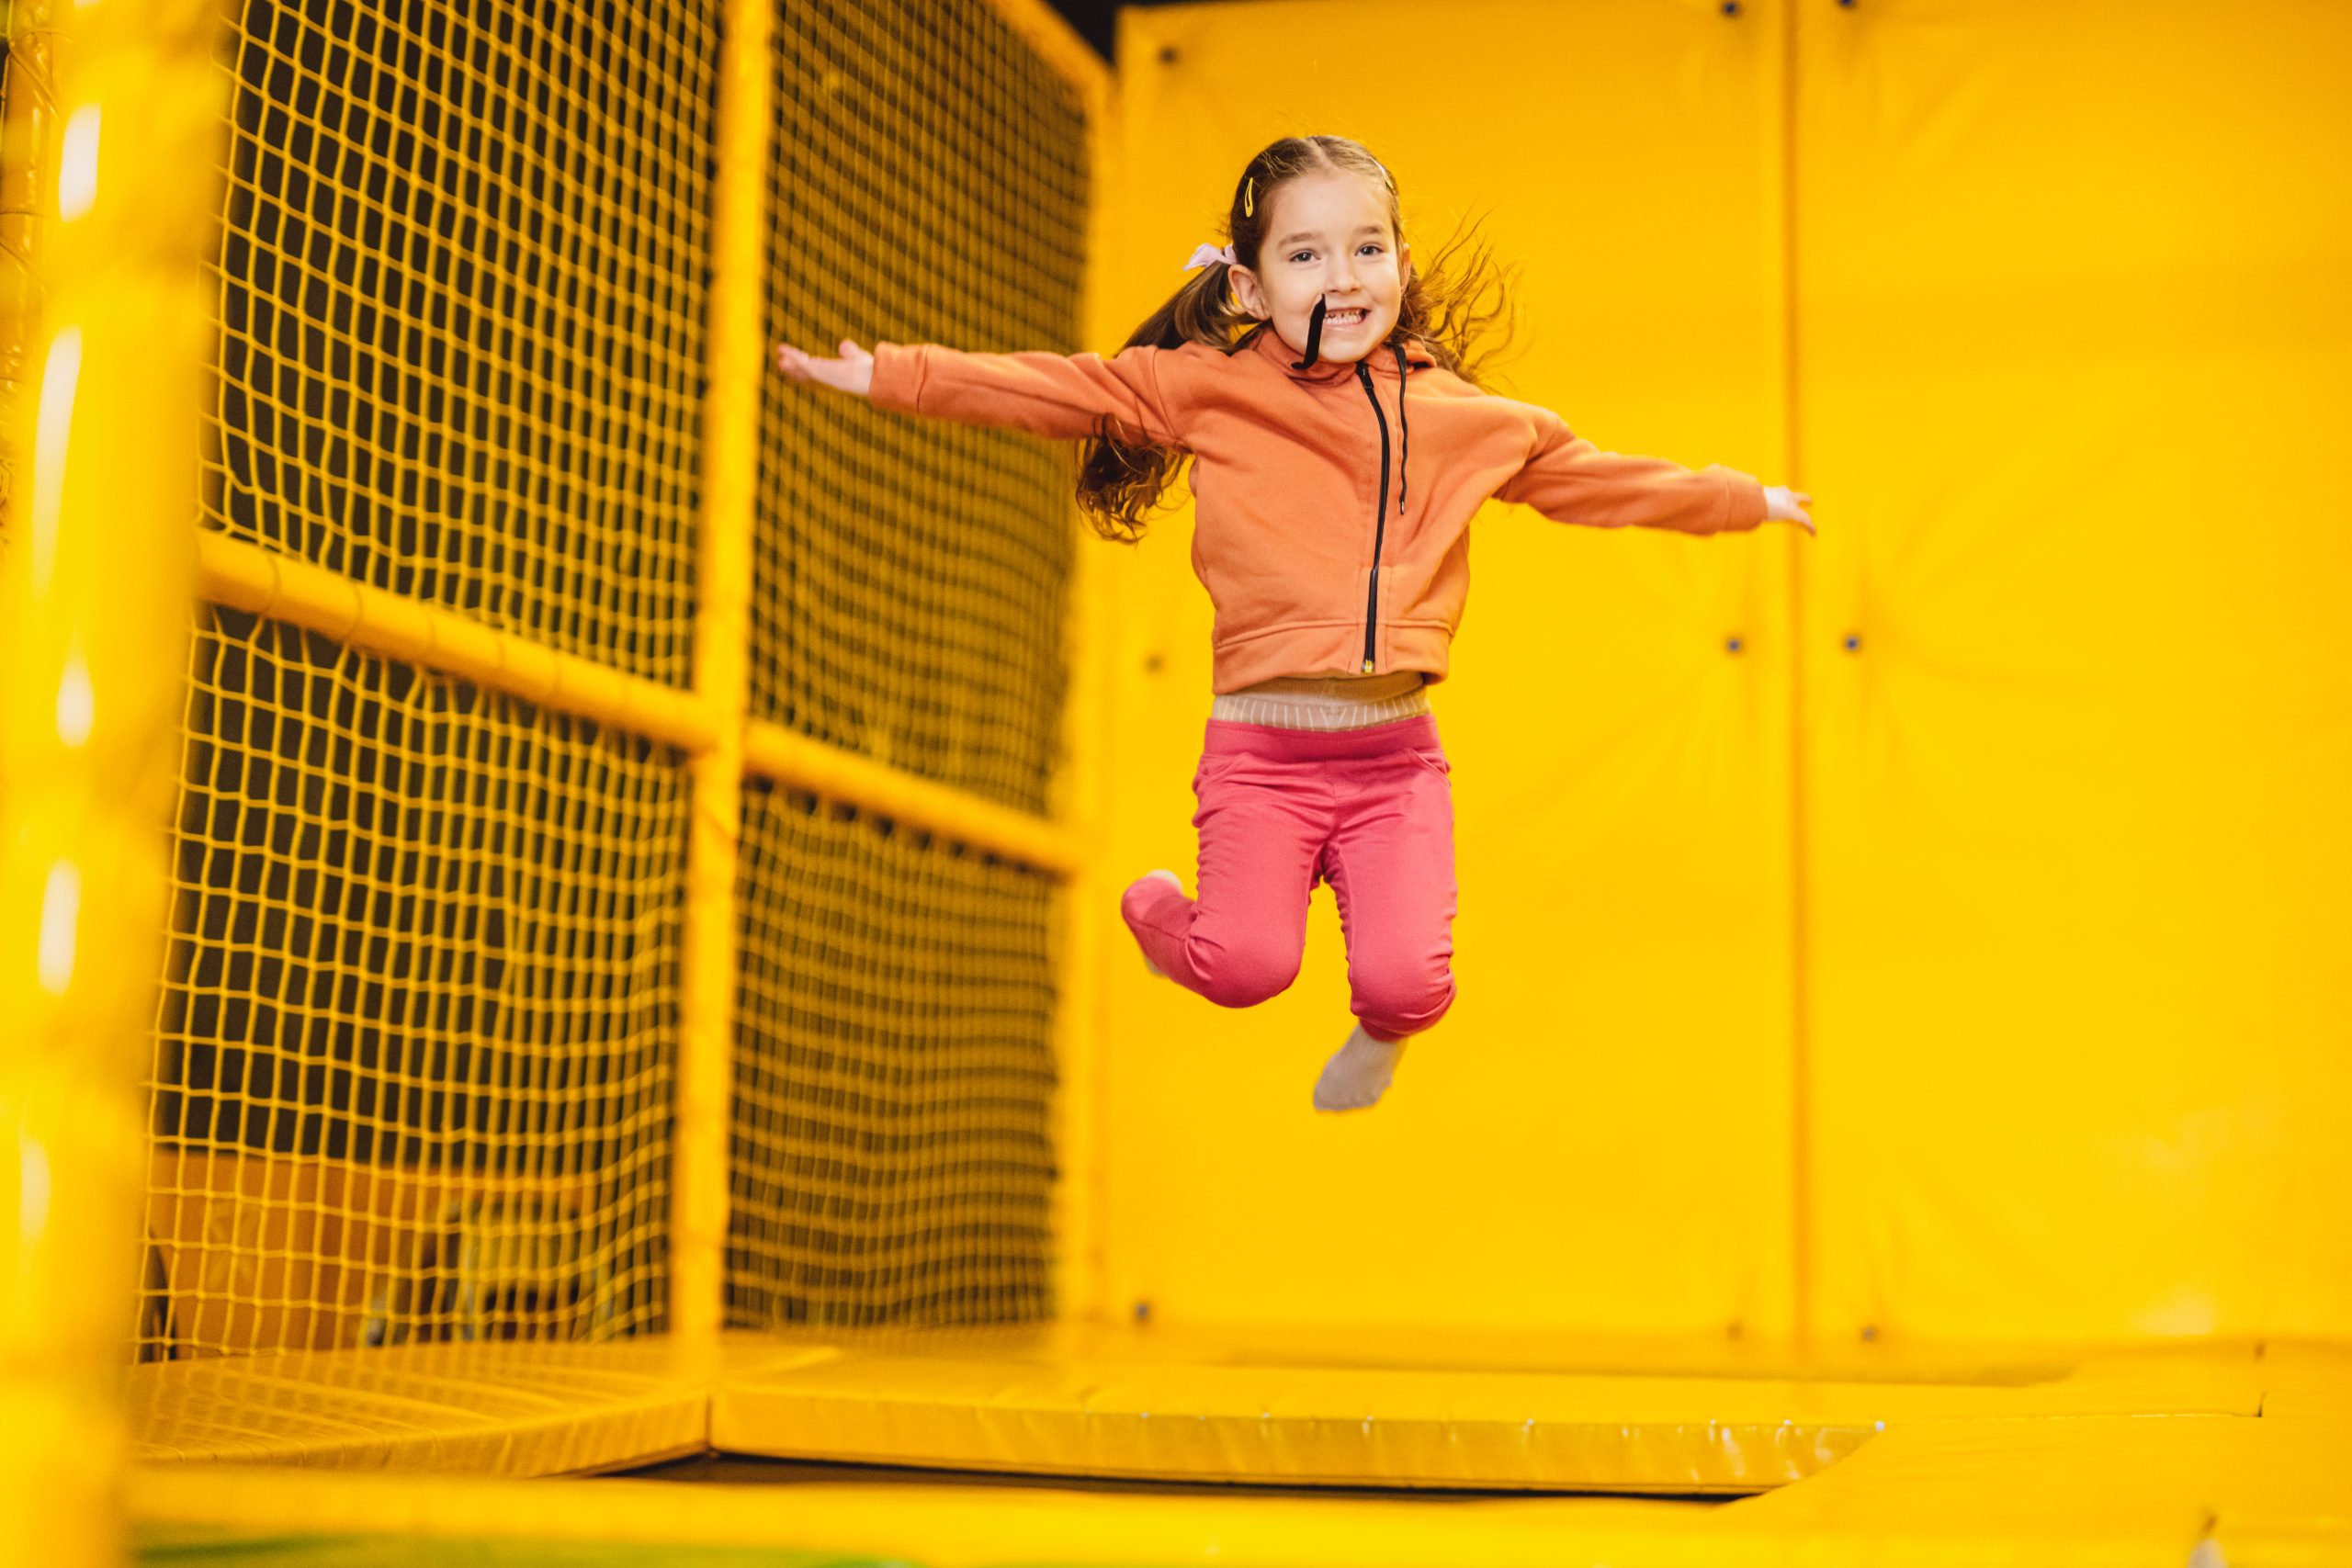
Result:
[[1093, 20], [1096, 20]]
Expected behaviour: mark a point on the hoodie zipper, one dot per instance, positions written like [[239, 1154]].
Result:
[[1380, 521]]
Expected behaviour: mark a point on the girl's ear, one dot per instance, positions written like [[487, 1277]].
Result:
[[1245, 288]]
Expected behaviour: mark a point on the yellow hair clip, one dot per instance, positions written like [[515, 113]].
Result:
[[1249, 198]]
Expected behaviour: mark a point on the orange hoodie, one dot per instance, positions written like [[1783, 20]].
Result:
[[1326, 544]]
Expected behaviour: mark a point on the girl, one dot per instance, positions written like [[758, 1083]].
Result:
[[1292, 369]]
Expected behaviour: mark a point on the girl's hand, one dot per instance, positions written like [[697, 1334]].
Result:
[[852, 372], [1782, 505]]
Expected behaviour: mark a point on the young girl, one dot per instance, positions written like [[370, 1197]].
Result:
[[1296, 370]]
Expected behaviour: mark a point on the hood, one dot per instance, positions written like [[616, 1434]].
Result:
[[1383, 360]]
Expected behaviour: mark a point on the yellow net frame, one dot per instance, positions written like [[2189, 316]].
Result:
[[591, 916], [893, 1155], [415, 1040], [460, 269], [421, 1018]]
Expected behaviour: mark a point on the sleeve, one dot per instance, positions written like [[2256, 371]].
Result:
[[1047, 394], [1569, 479]]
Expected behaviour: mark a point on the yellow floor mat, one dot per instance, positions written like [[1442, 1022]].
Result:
[[1428, 1409], [2237, 1453]]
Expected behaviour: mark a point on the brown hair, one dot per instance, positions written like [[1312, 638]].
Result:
[[1122, 479]]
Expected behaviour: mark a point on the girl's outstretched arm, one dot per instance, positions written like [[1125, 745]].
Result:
[[1569, 479], [1053, 395]]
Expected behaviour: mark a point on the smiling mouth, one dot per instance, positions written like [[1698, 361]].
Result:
[[1343, 318]]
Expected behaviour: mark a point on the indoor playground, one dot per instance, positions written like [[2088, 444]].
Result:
[[566, 994]]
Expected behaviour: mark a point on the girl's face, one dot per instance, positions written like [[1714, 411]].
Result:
[[1328, 239]]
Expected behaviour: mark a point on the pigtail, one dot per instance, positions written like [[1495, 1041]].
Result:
[[1122, 478], [1442, 309]]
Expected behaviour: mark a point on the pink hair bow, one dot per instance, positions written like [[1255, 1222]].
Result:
[[1203, 256]]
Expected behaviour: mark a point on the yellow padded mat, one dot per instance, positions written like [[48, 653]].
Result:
[[1272, 1406], [1988, 1455], [1419, 1410]]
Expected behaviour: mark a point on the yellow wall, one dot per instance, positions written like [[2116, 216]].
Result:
[[1598, 1133], [2076, 370], [2069, 357]]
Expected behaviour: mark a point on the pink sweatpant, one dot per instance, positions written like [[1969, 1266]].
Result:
[[1368, 812]]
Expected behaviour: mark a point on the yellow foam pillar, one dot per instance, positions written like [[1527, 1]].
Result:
[[96, 618], [736, 349], [1081, 934]]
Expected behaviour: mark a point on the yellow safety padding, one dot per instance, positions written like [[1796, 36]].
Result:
[[1086, 1400], [2043, 1039], [2072, 344], [1597, 1137]]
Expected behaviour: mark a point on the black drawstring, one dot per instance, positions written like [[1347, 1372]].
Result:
[[1313, 338], [1406, 430], [1404, 426]]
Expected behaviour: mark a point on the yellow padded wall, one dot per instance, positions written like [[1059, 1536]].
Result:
[[1597, 1136], [2072, 388]]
